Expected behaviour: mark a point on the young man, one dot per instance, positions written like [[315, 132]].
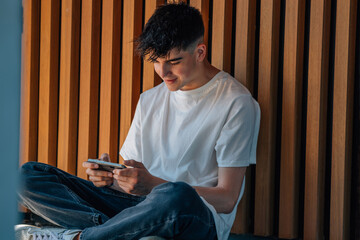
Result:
[[188, 147]]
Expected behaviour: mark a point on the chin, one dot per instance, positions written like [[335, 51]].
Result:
[[172, 89]]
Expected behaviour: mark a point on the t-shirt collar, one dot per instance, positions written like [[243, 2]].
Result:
[[201, 90]]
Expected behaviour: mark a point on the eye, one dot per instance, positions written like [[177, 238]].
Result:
[[174, 63]]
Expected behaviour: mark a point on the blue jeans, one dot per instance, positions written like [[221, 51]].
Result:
[[171, 210]]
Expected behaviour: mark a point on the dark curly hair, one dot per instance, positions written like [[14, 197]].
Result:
[[172, 26]]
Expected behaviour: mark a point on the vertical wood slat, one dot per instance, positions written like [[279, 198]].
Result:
[[267, 98], [110, 78], [342, 119], [316, 119], [245, 42], [221, 35], [69, 84], [291, 119], [150, 78], [29, 81], [203, 6], [244, 72], [130, 75], [49, 82], [89, 83]]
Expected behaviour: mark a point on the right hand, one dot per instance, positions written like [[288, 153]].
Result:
[[98, 177]]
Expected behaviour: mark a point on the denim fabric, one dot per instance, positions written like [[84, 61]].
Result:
[[171, 210]]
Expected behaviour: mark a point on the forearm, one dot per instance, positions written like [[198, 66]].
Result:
[[157, 181], [223, 204], [225, 195]]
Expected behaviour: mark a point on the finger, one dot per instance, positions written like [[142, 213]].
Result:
[[90, 165], [134, 163], [121, 178], [102, 183], [92, 172], [105, 157], [128, 188], [128, 182], [126, 172], [99, 179]]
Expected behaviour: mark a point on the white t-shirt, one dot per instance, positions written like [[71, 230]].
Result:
[[186, 135]]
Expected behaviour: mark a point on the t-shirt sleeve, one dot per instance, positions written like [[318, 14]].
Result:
[[236, 145], [131, 149]]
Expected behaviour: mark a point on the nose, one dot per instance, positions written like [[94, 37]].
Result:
[[162, 69]]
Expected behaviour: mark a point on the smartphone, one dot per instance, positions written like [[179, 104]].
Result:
[[106, 166]]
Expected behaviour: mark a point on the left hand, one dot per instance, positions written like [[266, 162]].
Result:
[[136, 180]]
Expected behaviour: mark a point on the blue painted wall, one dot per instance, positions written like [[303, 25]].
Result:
[[10, 74]]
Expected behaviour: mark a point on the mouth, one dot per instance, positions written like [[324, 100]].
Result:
[[169, 80]]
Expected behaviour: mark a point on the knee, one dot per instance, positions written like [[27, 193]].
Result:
[[178, 196], [30, 166], [32, 172]]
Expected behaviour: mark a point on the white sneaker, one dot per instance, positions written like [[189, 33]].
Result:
[[30, 232]]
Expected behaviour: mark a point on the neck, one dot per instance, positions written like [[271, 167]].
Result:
[[205, 73], [208, 70]]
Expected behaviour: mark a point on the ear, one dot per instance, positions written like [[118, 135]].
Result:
[[200, 52]]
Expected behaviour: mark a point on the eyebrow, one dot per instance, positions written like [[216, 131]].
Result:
[[174, 59], [170, 60]]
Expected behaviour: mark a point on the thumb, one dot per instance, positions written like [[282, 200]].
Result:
[[105, 157], [133, 163]]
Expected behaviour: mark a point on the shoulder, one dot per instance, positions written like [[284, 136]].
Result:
[[231, 86], [232, 92]]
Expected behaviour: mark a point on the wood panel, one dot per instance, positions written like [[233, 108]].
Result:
[[245, 42], [291, 119], [221, 35], [344, 64], [69, 84], [110, 79], [131, 64], [244, 72], [267, 98], [319, 40], [150, 78], [29, 81], [49, 82], [89, 83]]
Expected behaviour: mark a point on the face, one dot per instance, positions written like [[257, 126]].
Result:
[[179, 70]]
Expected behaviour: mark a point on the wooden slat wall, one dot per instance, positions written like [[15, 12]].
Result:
[[244, 71], [110, 78], [316, 119], [267, 97], [344, 64], [89, 83], [30, 81], [130, 74], [69, 85], [291, 118], [48, 81], [81, 80], [221, 34]]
